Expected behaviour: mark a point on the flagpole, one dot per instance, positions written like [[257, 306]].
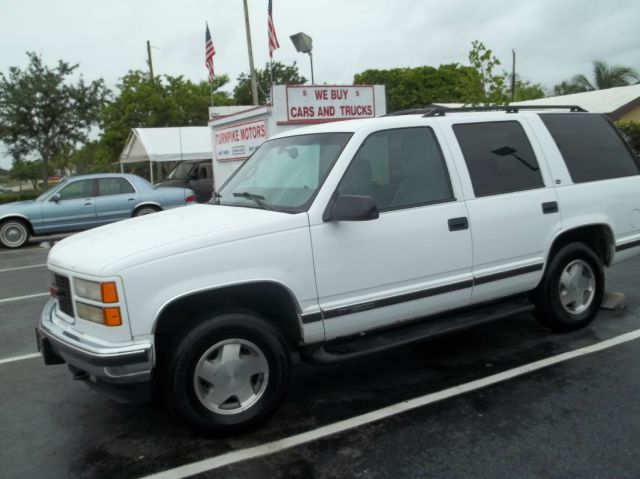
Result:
[[254, 86]]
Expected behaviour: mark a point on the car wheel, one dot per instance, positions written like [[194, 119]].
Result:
[[145, 210], [570, 294], [13, 233], [229, 374]]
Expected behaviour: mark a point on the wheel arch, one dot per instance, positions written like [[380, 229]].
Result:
[[17, 216], [153, 204], [597, 236], [270, 299]]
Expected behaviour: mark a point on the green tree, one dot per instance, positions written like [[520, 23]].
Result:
[[24, 170], [44, 111], [165, 101], [604, 76], [492, 91], [282, 75], [526, 90], [408, 88], [94, 157]]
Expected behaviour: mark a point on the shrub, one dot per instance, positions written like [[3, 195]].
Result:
[[631, 132], [25, 195]]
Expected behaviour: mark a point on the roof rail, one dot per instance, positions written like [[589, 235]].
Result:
[[505, 108], [413, 111]]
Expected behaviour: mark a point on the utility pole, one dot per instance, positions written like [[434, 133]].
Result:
[[513, 76], [254, 86], [149, 60]]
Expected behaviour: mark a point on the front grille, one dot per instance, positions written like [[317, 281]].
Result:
[[63, 292]]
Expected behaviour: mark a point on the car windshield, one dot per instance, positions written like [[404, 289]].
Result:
[[181, 171], [284, 174], [46, 193]]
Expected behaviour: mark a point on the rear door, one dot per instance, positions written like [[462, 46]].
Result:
[[415, 259], [513, 208], [116, 200]]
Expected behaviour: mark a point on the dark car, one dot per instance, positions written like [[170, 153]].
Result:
[[196, 174]]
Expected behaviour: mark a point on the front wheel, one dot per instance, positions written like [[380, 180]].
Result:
[[228, 374], [13, 233], [570, 294]]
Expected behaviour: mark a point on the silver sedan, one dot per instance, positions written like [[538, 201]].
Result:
[[82, 202]]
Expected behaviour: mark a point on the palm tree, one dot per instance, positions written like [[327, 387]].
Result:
[[604, 76]]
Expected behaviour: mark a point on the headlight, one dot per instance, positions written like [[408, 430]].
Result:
[[104, 292]]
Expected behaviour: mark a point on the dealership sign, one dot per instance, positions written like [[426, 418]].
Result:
[[239, 141], [316, 104]]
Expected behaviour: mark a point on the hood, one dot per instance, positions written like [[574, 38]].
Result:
[[109, 249], [11, 206]]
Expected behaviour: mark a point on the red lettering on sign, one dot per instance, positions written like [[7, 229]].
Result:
[[302, 112], [339, 94], [321, 95]]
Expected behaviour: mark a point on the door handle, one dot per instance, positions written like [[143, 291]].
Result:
[[458, 224], [549, 207], [131, 199]]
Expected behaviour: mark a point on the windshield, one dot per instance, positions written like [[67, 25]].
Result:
[[181, 171], [284, 174]]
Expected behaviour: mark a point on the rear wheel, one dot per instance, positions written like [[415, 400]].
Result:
[[570, 294], [13, 233], [145, 210], [228, 374]]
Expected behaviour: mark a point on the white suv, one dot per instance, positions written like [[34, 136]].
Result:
[[343, 239]]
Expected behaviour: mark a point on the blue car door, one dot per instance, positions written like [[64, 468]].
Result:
[[70, 209], [116, 200]]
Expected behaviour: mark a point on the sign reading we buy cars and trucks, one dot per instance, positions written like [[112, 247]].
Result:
[[240, 140], [316, 104]]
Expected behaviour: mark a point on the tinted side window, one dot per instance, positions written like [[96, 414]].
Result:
[[591, 147], [399, 168], [77, 189], [114, 186], [499, 157]]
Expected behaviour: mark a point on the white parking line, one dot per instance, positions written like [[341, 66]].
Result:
[[357, 421], [23, 267], [28, 296], [19, 358]]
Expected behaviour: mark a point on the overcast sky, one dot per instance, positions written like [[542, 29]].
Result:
[[553, 39]]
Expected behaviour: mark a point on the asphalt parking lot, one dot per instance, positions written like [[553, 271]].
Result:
[[494, 401]]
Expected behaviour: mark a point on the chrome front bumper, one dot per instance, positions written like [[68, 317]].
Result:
[[115, 369]]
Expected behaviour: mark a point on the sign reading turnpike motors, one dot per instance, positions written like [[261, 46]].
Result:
[[319, 103], [237, 142]]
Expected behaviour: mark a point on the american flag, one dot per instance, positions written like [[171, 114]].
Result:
[[273, 39], [209, 53]]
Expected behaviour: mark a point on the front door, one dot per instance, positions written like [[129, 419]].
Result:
[[415, 259], [73, 210]]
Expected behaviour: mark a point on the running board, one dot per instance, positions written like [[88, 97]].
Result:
[[382, 340]]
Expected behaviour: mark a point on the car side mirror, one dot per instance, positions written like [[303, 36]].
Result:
[[56, 197], [352, 208]]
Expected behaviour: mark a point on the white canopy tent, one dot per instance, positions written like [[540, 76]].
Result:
[[166, 144]]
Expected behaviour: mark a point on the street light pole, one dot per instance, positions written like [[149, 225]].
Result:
[[313, 82]]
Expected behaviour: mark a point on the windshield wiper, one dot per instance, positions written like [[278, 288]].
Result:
[[259, 199]]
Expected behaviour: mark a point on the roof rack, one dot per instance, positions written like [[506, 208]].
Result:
[[413, 111], [506, 108]]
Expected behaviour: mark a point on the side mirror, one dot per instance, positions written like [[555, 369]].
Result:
[[56, 197], [352, 208]]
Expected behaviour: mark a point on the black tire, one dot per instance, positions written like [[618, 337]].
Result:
[[145, 210], [14, 233], [557, 306], [187, 394]]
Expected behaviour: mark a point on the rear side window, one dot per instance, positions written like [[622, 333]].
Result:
[[499, 157], [591, 147]]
